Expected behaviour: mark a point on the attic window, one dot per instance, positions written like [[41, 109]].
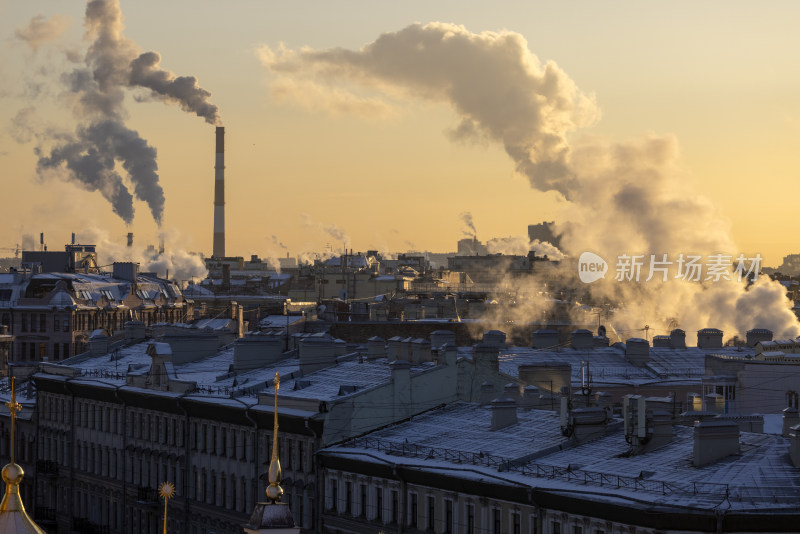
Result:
[[107, 294], [347, 390]]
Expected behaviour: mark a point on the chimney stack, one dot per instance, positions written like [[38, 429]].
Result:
[[130, 239], [219, 196]]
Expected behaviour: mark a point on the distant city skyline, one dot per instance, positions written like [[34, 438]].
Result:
[[301, 174]]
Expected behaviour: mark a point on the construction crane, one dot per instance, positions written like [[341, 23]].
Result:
[[16, 250]]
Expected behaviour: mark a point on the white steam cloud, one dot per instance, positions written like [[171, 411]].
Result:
[[330, 230], [176, 262], [95, 93], [41, 30], [624, 198], [498, 88], [520, 246], [466, 218]]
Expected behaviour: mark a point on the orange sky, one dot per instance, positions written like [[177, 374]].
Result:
[[720, 76]]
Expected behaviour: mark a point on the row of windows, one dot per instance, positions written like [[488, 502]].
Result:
[[39, 351], [24, 448], [443, 514], [208, 438]]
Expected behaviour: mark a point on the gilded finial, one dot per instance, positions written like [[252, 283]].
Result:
[[167, 491], [12, 511], [274, 491]]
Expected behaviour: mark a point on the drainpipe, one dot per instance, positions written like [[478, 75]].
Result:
[[255, 447], [38, 441], [71, 448], [187, 451], [124, 454], [316, 513], [401, 504]]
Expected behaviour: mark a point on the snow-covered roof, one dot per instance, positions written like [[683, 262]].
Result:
[[609, 365], [282, 321], [457, 441], [211, 374], [345, 378]]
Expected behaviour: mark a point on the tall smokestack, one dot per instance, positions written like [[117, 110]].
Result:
[[130, 239], [219, 196]]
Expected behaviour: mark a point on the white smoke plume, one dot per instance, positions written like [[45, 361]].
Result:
[[545, 248], [28, 242], [175, 261], [41, 30], [328, 229], [466, 218], [337, 233], [277, 242], [182, 90], [624, 197], [519, 245], [23, 126], [497, 87], [90, 156], [96, 92]]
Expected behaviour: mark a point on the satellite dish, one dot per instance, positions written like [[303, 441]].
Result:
[[601, 331]]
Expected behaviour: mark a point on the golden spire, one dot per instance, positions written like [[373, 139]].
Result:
[[13, 518], [274, 491]]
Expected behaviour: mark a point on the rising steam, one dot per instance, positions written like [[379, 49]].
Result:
[[624, 198], [497, 87], [88, 156], [466, 218], [175, 261], [42, 30]]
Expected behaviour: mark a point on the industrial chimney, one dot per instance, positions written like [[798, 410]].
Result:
[[130, 239], [219, 196]]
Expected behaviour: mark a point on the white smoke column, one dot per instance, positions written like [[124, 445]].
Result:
[[466, 218], [625, 198], [329, 229], [88, 156], [28, 242], [183, 90], [545, 248], [118, 62], [511, 245], [337, 233], [180, 264], [520, 246]]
